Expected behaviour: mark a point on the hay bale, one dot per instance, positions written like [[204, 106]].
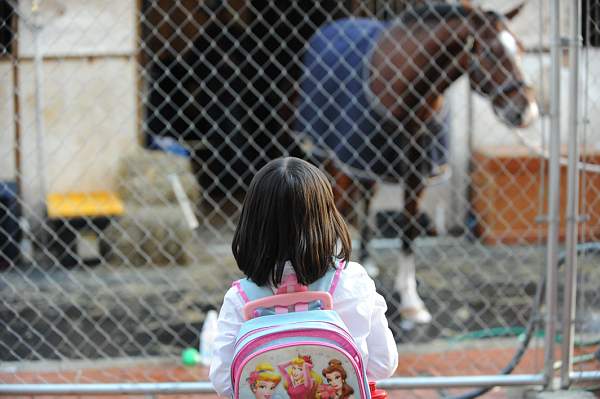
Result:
[[157, 235], [143, 178]]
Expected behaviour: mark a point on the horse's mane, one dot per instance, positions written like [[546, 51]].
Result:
[[435, 11], [431, 12]]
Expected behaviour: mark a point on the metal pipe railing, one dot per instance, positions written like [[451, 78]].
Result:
[[107, 389], [553, 198], [206, 387], [569, 311]]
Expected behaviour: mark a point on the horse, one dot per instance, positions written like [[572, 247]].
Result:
[[371, 90]]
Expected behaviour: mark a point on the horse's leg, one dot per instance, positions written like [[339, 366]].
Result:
[[366, 232], [343, 187], [345, 191], [411, 308]]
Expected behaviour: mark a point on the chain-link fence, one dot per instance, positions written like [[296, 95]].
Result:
[[585, 314], [131, 130]]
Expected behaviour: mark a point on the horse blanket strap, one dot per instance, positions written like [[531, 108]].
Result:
[[339, 114]]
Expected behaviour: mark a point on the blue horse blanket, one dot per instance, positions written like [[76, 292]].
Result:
[[337, 112]]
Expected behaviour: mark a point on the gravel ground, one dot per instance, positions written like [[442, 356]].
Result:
[[112, 310]]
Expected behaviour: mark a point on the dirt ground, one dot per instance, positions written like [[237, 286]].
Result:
[[114, 311]]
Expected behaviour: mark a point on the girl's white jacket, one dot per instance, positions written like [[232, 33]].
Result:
[[357, 303]]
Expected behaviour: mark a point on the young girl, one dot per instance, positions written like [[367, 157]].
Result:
[[289, 225]]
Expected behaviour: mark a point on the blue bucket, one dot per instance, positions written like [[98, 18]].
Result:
[[10, 230]]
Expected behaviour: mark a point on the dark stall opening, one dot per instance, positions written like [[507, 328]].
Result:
[[222, 83]]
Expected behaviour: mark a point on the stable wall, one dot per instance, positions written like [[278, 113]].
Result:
[[7, 126], [89, 88]]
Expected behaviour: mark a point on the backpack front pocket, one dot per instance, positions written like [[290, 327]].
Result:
[[299, 369]]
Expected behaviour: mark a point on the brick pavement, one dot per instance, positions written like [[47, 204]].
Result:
[[448, 363]]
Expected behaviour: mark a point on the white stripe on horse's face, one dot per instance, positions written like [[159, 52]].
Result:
[[509, 42], [511, 113]]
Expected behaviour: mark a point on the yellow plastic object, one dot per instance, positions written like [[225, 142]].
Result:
[[70, 205]]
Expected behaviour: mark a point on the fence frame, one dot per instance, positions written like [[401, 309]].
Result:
[[206, 387], [553, 217], [570, 299], [546, 377]]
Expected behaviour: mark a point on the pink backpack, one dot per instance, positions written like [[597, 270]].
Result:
[[293, 345]]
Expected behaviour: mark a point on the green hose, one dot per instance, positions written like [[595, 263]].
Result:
[[583, 248], [496, 332], [493, 332]]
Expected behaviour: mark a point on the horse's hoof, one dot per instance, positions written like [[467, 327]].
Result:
[[415, 314]]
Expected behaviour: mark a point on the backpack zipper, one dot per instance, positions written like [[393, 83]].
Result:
[[258, 330]]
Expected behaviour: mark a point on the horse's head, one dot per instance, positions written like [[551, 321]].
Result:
[[495, 69]]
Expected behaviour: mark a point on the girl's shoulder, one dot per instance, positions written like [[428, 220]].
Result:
[[354, 269], [354, 279], [233, 296]]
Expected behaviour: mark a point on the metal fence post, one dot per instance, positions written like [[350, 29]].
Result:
[[553, 197], [572, 201]]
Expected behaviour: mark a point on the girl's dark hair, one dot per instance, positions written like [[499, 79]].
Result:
[[289, 214]]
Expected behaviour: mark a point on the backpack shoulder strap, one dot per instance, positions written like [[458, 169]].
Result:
[[329, 281], [249, 291]]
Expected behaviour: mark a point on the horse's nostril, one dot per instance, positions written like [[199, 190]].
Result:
[[518, 119], [511, 115]]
